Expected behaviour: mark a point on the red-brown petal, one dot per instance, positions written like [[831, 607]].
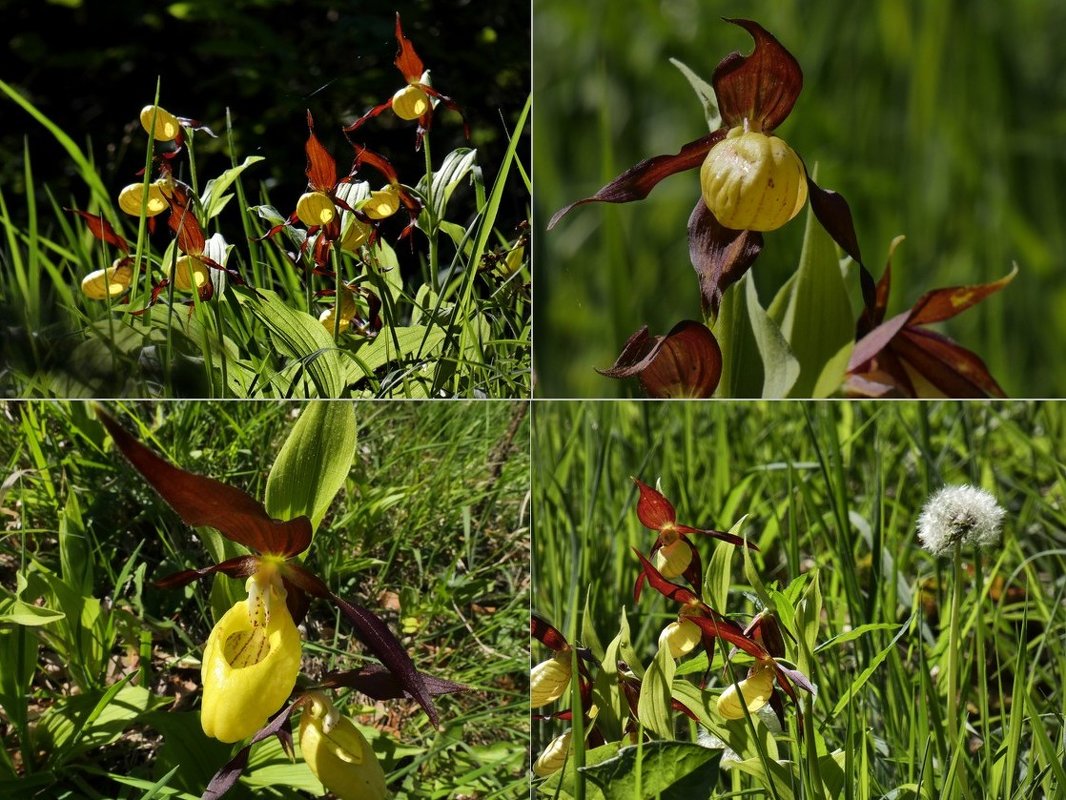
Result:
[[200, 500], [877, 340], [237, 567], [664, 587], [638, 180], [730, 632], [719, 255], [952, 369], [832, 210], [184, 224], [732, 538], [101, 229], [761, 87], [941, 304], [687, 362], [653, 509], [377, 682]]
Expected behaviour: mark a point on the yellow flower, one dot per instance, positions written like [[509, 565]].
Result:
[[250, 662], [190, 273], [129, 199], [338, 753], [356, 234], [315, 208], [348, 309], [681, 637], [549, 679], [110, 282], [673, 558], [383, 203], [755, 692], [752, 181], [554, 755], [167, 126], [410, 102]]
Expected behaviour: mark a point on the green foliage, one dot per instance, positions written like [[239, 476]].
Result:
[[830, 492], [102, 695]]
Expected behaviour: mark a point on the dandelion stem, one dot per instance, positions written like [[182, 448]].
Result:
[[953, 661]]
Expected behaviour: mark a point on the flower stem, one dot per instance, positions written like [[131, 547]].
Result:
[[953, 664]]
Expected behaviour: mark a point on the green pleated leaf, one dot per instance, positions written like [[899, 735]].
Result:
[[394, 345], [314, 462], [705, 92], [653, 708], [300, 336], [871, 668], [667, 770], [816, 316]]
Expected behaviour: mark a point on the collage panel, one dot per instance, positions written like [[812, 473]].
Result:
[[271, 599], [788, 200], [858, 599], [265, 200]]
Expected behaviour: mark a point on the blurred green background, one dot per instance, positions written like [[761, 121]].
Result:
[[941, 120]]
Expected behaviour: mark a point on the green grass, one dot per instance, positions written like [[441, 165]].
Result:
[[832, 492], [455, 320], [935, 120], [429, 529]]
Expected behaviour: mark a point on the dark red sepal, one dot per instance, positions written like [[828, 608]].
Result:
[[686, 362], [321, 168], [546, 634], [653, 509], [761, 87], [638, 180], [719, 255], [664, 587], [200, 500], [407, 60]]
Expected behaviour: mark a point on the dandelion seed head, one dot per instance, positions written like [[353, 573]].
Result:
[[960, 515]]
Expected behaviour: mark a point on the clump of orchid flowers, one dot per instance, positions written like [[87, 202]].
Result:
[[751, 183], [755, 672], [338, 213], [251, 666]]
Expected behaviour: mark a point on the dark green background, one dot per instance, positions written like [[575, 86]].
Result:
[[940, 120]]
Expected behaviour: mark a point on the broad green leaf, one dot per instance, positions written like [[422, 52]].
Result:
[[653, 707], [447, 178], [213, 198], [607, 695], [780, 367], [719, 574], [94, 719], [732, 734], [871, 668], [742, 368], [625, 647], [817, 319], [782, 774], [300, 336], [17, 612], [808, 621], [589, 637], [392, 345], [667, 770], [313, 463], [186, 745], [75, 556], [705, 92], [269, 765]]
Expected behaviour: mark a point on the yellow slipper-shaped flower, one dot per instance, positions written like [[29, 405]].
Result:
[[250, 665]]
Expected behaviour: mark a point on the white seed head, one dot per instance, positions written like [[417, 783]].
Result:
[[960, 515]]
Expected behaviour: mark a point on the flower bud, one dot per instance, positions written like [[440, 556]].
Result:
[[338, 754], [383, 203], [753, 182], [410, 102], [554, 756], [347, 311], [681, 637], [755, 692], [189, 274], [673, 559], [129, 199], [111, 282], [356, 234], [250, 665], [315, 208], [167, 126], [549, 679]]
